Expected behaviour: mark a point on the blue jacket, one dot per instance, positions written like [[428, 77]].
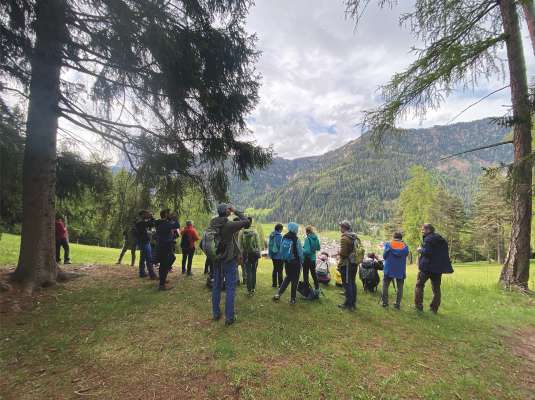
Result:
[[395, 259], [434, 256], [275, 240]]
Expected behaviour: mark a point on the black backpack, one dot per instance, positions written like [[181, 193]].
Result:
[[184, 241]]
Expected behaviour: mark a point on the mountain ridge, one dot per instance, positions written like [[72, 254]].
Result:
[[357, 182]]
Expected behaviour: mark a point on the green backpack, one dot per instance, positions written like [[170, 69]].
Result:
[[357, 255], [250, 243]]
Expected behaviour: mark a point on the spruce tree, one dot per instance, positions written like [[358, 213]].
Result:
[[169, 83]]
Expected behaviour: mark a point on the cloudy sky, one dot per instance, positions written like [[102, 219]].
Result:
[[319, 73]]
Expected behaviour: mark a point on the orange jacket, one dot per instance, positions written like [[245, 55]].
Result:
[[191, 235]]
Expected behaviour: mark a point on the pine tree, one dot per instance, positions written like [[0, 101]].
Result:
[[170, 84]]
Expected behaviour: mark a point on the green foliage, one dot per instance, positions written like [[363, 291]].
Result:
[[416, 202]]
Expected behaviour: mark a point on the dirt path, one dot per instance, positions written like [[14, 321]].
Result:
[[522, 345]]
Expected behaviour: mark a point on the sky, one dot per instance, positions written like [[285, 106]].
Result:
[[319, 72]]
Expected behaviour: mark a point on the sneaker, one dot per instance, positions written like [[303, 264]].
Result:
[[66, 262], [384, 305], [117, 263], [276, 297], [343, 306], [216, 318], [293, 301], [397, 307]]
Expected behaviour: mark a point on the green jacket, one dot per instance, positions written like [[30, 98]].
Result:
[[311, 246]]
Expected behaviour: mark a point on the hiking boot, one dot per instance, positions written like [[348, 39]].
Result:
[[433, 310], [352, 308], [216, 318], [118, 263], [66, 262], [274, 285], [397, 307], [277, 297], [293, 301], [384, 305], [419, 308], [229, 322], [165, 288], [142, 275]]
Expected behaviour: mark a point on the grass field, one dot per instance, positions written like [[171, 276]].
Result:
[[110, 335]]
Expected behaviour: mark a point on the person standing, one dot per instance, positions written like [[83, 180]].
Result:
[[130, 243], [348, 262], [62, 240], [165, 237], [143, 225], [226, 264], [292, 254], [395, 267], [274, 247], [187, 245], [433, 262], [310, 247], [250, 248]]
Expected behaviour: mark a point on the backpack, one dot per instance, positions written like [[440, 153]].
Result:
[[287, 250], [184, 241], [357, 255], [248, 242], [307, 292], [211, 244], [273, 245]]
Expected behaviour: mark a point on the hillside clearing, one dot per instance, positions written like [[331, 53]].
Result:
[[111, 335]]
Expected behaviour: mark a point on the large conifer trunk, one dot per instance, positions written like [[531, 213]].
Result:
[[37, 264], [515, 271]]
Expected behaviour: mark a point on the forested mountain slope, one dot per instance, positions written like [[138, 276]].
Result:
[[359, 182]]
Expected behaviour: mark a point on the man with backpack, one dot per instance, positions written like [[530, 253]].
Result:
[[433, 262], [395, 267], [221, 246], [250, 247], [274, 247], [143, 225], [351, 255], [292, 254], [310, 248], [187, 245], [165, 237], [368, 272]]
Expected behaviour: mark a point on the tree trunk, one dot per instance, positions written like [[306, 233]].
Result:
[[37, 262], [529, 13], [515, 272]]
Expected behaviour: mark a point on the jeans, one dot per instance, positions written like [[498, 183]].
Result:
[[126, 247], [276, 276], [436, 280], [293, 269], [229, 270], [145, 260], [399, 290], [65, 244], [167, 258], [187, 257], [251, 264], [207, 267], [350, 285], [310, 266]]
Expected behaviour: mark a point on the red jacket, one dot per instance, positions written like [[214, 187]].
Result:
[[191, 235], [61, 230]]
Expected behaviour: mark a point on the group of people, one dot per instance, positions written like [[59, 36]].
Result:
[[229, 242]]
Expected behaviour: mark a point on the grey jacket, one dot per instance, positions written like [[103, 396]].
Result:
[[228, 230]]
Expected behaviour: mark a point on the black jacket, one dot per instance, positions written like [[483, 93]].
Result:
[[142, 227], [434, 256]]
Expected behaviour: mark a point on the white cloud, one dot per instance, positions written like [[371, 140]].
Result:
[[319, 72]]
